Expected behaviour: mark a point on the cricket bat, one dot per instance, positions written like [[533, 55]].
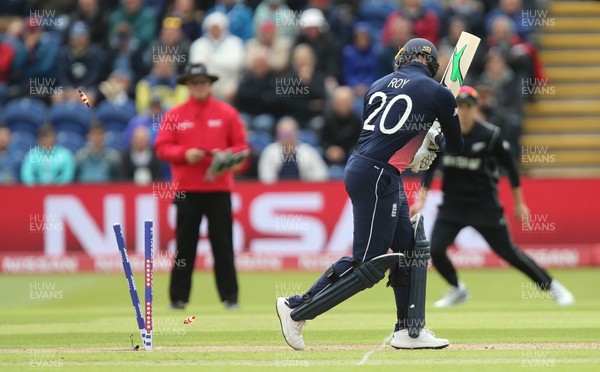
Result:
[[455, 72]]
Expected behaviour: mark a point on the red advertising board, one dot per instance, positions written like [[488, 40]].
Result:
[[284, 226]]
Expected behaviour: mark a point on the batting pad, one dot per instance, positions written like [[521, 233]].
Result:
[[364, 276]]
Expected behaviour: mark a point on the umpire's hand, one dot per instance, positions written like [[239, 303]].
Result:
[[193, 156]]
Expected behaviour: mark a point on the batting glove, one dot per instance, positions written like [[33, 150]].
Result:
[[432, 134], [422, 160]]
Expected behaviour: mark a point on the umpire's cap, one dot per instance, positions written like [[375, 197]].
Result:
[[415, 47], [468, 95], [196, 69]]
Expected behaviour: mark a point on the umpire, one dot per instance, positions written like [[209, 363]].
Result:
[[188, 137], [471, 199]]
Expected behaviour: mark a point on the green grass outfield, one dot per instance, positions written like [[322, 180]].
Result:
[[85, 321]]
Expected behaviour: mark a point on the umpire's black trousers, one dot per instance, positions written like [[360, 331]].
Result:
[[191, 207]]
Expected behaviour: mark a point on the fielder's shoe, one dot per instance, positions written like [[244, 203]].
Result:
[[177, 305], [231, 305], [560, 294], [291, 329], [426, 340], [455, 296]]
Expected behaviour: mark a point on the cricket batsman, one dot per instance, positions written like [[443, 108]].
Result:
[[399, 110]]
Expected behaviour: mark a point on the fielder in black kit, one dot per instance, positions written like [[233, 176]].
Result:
[[471, 199], [399, 110]]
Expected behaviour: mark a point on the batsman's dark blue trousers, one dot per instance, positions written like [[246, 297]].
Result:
[[379, 207], [381, 223]]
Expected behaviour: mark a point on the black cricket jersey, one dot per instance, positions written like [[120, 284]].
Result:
[[399, 109], [470, 181]]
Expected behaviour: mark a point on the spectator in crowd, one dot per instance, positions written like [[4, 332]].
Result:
[[361, 62], [513, 9], [239, 16], [161, 82], [150, 119], [186, 11], [444, 57], [425, 23], [487, 107], [95, 17], [341, 131], [139, 162], [290, 159], [80, 63], [505, 88], [471, 13], [58, 6], [301, 93], [339, 17], [171, 45], [255, 98], [35, 55], [222, 53], [327, 50], [13, 8], [47, 163], [401, 33], [95, 162], [117, 88], [276, 48], [7, 55], [296, 5], [278, 13], [10, 159], [141, 19], [456, 25], [522, 57], [125, 53], [158, 7], [375, 12]]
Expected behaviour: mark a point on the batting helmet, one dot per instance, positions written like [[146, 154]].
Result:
[[418, 47]]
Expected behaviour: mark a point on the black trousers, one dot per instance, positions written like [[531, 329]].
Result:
[[191, 207], [497, 236]]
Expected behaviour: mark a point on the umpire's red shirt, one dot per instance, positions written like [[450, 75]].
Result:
[[208, 126]]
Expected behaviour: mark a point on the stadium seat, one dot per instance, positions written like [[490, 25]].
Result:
[[259, 140], [23, 141], [70, 117], [115, 117], [114, 140], [375, 12], [71, 140], [310, 138], [24, 115], [336, 172]]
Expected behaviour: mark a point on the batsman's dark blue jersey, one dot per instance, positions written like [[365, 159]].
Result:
[[399, 110]]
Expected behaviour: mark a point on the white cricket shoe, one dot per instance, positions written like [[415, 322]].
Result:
[[561, 294], [426, 340], [291, 329], [455, 296]]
